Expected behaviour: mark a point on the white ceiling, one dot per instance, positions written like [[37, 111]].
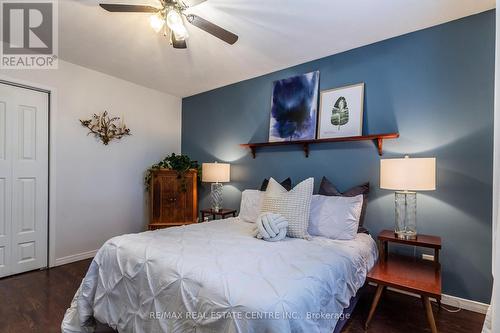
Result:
[[274, 34]]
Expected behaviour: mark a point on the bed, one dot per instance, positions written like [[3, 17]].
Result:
[[216, 277]]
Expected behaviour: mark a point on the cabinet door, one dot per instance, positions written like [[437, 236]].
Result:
[[170, 203], [187, 199]]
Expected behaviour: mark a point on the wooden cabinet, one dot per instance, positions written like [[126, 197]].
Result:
[[170, 205]]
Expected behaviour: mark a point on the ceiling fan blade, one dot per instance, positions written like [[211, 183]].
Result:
[[212, 29], [128, 8], [177, 43], [191, 3]]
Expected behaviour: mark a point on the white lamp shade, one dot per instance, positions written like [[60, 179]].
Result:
[[215, 172], [408, 174]]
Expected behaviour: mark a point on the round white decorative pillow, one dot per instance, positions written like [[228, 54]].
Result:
[[271, 227]]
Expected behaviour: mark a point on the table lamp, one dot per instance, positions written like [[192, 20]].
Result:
[[216, 173], [407, 175]]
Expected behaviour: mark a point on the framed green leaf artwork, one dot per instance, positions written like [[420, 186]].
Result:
[[341, 112]]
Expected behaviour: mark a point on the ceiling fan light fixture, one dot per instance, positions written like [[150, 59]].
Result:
[[170, 17], [176, 24], [157, 22]]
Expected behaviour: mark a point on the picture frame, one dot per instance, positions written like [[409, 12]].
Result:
[[294, 108], [341, 112]]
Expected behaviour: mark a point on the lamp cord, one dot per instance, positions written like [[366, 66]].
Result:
[[457, 309]]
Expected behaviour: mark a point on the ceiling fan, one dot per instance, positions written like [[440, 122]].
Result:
[[170, 20]]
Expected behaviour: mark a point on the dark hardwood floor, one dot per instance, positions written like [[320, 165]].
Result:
[[398, 313], [36, 302]]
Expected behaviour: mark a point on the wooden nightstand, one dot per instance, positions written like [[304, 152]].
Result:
[[406, 273], [223, 213]]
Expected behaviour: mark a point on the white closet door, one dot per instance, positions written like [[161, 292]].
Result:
[[23, 179], [5, 185]]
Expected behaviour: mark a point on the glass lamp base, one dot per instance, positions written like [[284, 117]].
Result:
[[216, 195], [406, 215], [406, 235]]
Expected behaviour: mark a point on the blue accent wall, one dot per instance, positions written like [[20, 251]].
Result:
[[434, 86]]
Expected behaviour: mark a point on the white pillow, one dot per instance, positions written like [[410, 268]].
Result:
[[335, 217], [251, 203], [293, 205]]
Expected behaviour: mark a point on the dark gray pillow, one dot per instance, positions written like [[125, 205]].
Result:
[[327, 188], [287, 184]]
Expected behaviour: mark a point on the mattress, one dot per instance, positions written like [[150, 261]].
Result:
[[216, 277]]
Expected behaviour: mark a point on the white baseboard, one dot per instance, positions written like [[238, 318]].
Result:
[[75, 257], [449, 300], [465, 304]]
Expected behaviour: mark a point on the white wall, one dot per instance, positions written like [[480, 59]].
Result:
[[97, 191]]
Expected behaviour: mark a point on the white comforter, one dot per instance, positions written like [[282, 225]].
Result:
[[216, 277]]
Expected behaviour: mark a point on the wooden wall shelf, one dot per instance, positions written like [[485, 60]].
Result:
[[377, 138]]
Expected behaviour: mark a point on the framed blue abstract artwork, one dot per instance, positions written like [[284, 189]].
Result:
[[294, 108]]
